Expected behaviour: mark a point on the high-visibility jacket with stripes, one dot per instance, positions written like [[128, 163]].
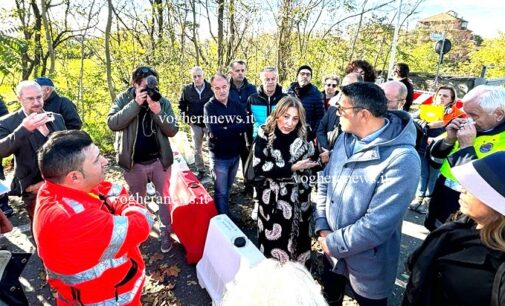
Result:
[[483, 145], [89, 244]]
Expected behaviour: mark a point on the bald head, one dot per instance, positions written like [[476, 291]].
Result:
[[352, 77], [396, 92]]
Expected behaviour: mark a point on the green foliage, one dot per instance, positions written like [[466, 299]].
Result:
[[491, 54], [173, 54], [11, 50]]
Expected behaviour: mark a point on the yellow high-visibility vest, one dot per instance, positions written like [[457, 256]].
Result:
[[483, 145]]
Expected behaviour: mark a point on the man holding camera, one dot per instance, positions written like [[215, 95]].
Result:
[[143, 120], [22, 133]]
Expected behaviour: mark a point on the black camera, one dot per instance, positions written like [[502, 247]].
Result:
[[152, 88]]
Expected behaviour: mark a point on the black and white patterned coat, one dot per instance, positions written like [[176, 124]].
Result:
[[283, 196]]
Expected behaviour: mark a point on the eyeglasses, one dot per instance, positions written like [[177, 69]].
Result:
[[303, 73], [31, 99], [331, 85], [341, 109]]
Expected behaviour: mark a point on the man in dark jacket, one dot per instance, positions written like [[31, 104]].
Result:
[[143, 120], [193, 98], [55, 103], [309, 95], [401, 73], [330, 89], [226, 121], [4, 199], [263, 102], [240, 90], [328, 129], [22, 133]]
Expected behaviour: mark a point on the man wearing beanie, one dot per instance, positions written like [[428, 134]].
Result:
[[53, 102], [309, 95]]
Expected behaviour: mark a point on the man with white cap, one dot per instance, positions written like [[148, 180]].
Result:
[[463, 262]]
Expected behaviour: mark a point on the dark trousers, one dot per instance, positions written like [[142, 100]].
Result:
[[444, 202], [334, 288], [29, 199]]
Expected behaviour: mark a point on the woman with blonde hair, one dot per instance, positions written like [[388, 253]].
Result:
[[463, 262], [281, 158]]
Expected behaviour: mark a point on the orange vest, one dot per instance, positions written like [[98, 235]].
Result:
[[89, 244]]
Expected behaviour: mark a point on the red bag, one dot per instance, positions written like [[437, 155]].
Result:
[[191, 208]]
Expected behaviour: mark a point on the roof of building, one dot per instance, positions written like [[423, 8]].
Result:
[[446, 16]]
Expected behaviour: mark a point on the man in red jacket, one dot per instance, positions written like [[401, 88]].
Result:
[[87, 230]]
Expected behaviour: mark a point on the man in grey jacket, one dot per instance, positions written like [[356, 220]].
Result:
[[363, 194], [143, 120]]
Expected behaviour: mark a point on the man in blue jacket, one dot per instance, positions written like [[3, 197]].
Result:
[[363, 194], [310, 96], [226, 121]]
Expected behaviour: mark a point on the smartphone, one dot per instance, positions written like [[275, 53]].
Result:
[[50, 115]]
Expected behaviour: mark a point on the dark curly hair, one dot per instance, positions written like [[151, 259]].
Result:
[[367, 68]]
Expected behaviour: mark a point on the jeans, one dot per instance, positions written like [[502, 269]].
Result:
[[137, 178], [197, 133], [224, 172], [428, 177]]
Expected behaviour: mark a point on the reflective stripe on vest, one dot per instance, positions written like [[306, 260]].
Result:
[[115, 190], [107, 260], [119, 232], [89, 274], [483, 146], [123, 298], [141, 210], [76, 206]]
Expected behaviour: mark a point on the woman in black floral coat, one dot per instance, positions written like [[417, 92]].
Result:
[[281, 158]]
